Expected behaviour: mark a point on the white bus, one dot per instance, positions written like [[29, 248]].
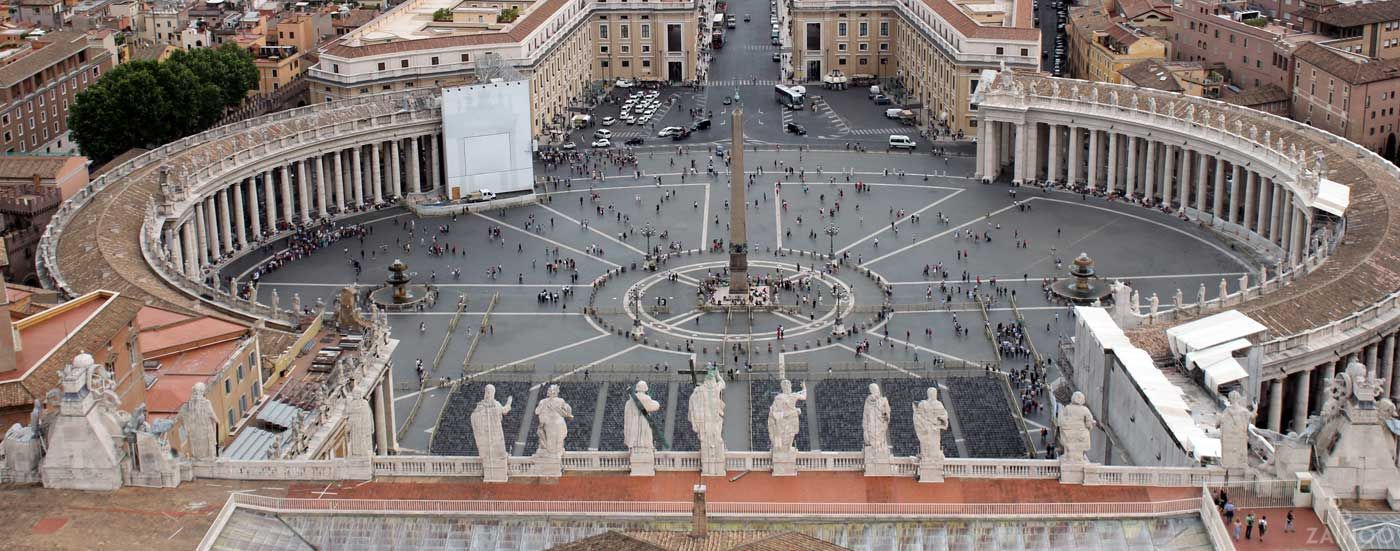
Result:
[[717, 21], [790, 97]]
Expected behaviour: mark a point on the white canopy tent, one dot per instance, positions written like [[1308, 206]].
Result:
[[1331, 197], [1211, 331]]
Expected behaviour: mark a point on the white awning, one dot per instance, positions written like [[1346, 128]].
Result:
[[1332, 197], [1211, 331], [1223, 372]]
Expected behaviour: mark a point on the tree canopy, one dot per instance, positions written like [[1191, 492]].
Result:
[[147, 103]]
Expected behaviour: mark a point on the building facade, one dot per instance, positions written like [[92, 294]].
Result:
[[1245, 47], [1102, 46], [1349, 95], [38, 83]]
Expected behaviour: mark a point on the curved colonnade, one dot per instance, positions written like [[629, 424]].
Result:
[[157, 225], [1258, 180]]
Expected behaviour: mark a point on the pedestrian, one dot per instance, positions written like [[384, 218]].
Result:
[[1288, 522], [1238, 525], [1263, 527], [1248, 525]]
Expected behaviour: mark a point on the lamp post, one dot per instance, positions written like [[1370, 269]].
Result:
[[831, 231], [839, 329], [648, 230], [635, 294]]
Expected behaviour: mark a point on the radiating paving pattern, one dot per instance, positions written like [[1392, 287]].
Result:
[[260, 531]]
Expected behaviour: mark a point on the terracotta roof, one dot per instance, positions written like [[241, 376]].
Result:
[[1351, 69], [118, 160], [1151, 73], [1089, 18], [746, 540], [1122, 35], [59, 45], [1134, 8], [24, 167], [92, 337], [969, 28], [1352, 15], [354, 19], [1268, 93]]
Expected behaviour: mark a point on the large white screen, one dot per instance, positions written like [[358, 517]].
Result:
[[486, 128]]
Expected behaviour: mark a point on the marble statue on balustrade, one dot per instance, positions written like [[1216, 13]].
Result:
[[637, 429], [706, 415], [360, 420], [1234, 434], [553, 414], [930, 420], [1075, 426], [490, 437], [199, 425], [875, 425], [784, 421]]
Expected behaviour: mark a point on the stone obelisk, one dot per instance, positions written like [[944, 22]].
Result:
[[738, 232]]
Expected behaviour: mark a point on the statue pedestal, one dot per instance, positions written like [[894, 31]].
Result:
[[494, 470], [1072, 472], [785, 462], [877, 462], [931, 470], [638, 332], [550, 467], [643, 461]]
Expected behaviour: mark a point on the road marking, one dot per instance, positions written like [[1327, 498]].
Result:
[[587, 365], [778, 217], [548, 240], [1150, 221], [899, 221], [1039, 279], [943, 233], [705, 220], [594, 230], [537, 356]]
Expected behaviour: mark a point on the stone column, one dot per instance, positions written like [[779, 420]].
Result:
[[191, 257], [1112, 184], [1149, 181], [356, 173], [270, 208], [395, 167], [1032, 152], [284, 177], [1236, 177], [201, 235], [1276, 405], [1302, 388], [1021, 161], [1076, 148], [1276, 193], [211, 227], [303, 199], [1285, 223], [989, 157], [1007, 148], [1251, 195], [435, 164], [1184, 182], [239, 214], [1261, 224], [1202, 176], [320, 163], [1388, 358], [1218, 202], [225, 224], [1372, 361], [1300, 235], [1094, 163], [254, 209], [1053, 155], [1132, 167], [979, 169], [381, 439], [1168, 172], [376, 178], [177, 249], [338, 174], [415, 176], [386, 386]]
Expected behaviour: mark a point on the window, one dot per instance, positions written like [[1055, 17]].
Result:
[[1025, 52], [274, 73], [674, 40], [240, 372], [381, 66], [466, 58], [884, 28], [242, 404], [434, 60], [646, 63], [840, 61], [841, 29], [884, 46], [814, 36], [646, 31], [603, 49], [841, 47], [603, 31], [403, 63], [624, 31], [1001, 50], [626, 48], [231, 419], [228, 386], [863, 47], [335, 67], [603, 64], [7, 136], [646, 48], [864, 61], [864, 28]]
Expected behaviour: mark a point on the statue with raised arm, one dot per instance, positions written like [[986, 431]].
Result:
[[199, 425], [1234, 433], [1075, 425], [706, 415], [490, 437], [553, 414], [636, 429], [930, 420], [784, 417]]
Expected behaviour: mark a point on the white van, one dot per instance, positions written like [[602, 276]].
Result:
[[874, 91], [900, 141]]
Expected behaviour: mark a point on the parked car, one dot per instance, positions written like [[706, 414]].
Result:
[[777, 56], [602, 142], [795, 129], [623, 83], [602, 133], [728, 100], [669, 131], [883, 100], [568, 146], [900, 141], [683, 134], [746, 18], [702, 124], [719, 151], [608, 121], [633, 141]]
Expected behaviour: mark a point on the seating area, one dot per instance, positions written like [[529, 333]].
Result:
[[683, 438], [618, 394], [761, 398], [984, 415], [840, 407], [453, 435]]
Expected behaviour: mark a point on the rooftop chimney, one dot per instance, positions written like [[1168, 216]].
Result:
[[7, 331], [697, 512]]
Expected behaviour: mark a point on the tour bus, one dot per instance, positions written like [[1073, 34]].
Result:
[[717, 31], [791, 98]]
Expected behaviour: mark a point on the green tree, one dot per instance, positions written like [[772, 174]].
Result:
[[147, 103]]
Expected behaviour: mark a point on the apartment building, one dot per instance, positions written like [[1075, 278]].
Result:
[[1102, 46], [1369, 29], [1183, 77], [31, 188], [931, 53], [46, 14], [1350, 95], [38, 80], [1142, 13], [1248, 48]]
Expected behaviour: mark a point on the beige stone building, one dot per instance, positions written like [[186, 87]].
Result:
[[1349, 95], [930, 53], [1101, 46]]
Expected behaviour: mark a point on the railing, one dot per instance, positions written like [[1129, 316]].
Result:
[[285, 469], [1178, 477], [1325, 507], [720, 508], [1215, 527], [1001, 468]]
